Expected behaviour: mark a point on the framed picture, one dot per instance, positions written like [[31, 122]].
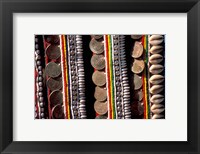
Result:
[[99, 76]]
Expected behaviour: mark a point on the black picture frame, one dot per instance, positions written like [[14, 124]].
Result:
[[8, 7]]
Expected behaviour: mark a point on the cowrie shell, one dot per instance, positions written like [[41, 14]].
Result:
[[156, 42], [157, 108], [155, 59], [155, 89], [156, 49], [156, 79], [157, 116], [156, 69], [156, 99], [155, 37]]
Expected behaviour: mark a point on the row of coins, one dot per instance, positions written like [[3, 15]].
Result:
[[122, 95], [54, 76], [99, 77], [137, 69], [77, 76], [156, 67], [39, 110]]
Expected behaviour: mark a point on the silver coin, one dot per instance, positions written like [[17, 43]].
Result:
[[97, 36], [53, 52], [101, 117], [96, 47], [54, 83], [53, 39], [55, 97], [58, 112], [136, 37], [137, 81], [98, 62], [52, 69]]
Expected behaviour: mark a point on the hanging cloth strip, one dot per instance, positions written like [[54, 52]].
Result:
[[118, 90], [109, 77], [66, 83], [145, 79], [73, 76]]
